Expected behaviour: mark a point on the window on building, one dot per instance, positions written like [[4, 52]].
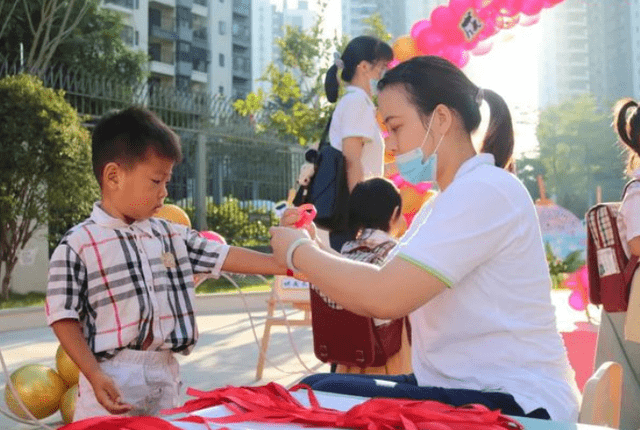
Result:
[[221, 60], [220, 88], [222, 27]]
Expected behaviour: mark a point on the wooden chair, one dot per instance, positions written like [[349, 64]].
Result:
[[282, 292], [602, 397]]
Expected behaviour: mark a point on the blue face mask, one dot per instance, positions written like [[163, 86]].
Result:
[[411, 166]]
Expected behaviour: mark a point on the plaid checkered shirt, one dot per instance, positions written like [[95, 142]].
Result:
[[126, 281]]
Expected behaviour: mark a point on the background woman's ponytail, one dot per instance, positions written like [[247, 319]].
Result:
[[627, 126], [498, 139], [331, 84]]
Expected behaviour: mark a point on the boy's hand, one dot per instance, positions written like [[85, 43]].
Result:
[[108, 394]]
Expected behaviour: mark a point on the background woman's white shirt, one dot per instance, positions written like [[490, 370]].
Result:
[[355, 116], [629, 217], [494, 328]]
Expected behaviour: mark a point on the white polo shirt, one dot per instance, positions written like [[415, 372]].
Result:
[[494, 328], [355, 116], [629, 217]]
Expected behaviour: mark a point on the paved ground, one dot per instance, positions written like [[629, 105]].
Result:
[[226, 353]]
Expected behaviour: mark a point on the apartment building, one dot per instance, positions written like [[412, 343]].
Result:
[[204, 45]]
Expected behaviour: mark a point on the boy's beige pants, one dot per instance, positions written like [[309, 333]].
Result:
[[148, 380]]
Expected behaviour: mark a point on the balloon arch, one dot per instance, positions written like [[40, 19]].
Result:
[[463, 27]]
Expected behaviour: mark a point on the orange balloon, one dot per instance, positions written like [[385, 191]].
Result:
[[67, 368], [40, 388], [404, 48], [175, 214], [389, 157], [412, 200]]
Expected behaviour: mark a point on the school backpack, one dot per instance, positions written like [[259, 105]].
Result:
[[340, 336], [610, 271]]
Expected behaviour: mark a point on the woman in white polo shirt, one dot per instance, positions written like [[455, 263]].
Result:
[[471, 271], [354, 129]]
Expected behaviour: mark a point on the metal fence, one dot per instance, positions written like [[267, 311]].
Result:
[[224, 157]]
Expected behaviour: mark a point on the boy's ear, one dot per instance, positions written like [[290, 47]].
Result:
[[111, 176]]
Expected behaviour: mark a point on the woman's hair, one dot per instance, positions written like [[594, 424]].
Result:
[[431, 81], [371, 204], [626, 120], [361, 48]]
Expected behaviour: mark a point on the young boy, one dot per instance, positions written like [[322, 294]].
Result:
[[120, 296]]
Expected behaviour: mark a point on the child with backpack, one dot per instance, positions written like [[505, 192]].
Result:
[[627, 125]]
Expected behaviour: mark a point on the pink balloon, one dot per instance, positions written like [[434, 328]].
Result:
[[528, 21], [393, 63], [429, 41], [532, 7], [417, 28], [212, 235], [576, 301], [482, 48]]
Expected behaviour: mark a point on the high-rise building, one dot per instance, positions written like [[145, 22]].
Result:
[[564, 54], [393, 13], [262, 41], [590, 47], [174, 33], [241, 51], [204, 45]]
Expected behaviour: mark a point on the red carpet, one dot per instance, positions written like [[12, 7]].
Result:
[[581, 348]]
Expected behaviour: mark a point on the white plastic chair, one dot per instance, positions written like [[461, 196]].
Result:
[[602, 396]]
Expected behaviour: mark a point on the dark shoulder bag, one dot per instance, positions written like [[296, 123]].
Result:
[[328, 190]]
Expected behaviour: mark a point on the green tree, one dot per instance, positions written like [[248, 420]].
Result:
[[377, 27], [45, 166], [295, 106], [70, 32], [579, 152]]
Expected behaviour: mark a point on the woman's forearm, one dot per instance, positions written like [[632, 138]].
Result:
[[391, 291]]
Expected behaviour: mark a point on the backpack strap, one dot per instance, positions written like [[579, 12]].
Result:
[[624, 191]]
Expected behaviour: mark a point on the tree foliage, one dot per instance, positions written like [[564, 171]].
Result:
[[377, 28], [45, 166], [578, 152], [295, 106], [71, 32]]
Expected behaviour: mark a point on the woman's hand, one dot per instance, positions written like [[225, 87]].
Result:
[[282, 238], [291, 216]]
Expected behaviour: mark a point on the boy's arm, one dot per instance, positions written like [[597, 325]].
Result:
[[69, 334], [243, 260]]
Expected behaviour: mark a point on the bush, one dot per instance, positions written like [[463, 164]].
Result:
[[240, 225]]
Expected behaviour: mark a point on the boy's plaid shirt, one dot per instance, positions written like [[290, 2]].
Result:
[[124, 281]]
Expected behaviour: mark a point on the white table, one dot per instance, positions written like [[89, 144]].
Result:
[[343, 403]]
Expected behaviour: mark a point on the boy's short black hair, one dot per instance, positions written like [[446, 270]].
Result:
[[371, 204], [125, 137]]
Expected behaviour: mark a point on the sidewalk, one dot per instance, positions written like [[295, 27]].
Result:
[[226, 353]]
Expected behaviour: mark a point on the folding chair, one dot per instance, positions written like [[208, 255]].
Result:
[[287, 291]]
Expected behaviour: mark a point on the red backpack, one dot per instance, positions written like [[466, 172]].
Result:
[[610, 271]]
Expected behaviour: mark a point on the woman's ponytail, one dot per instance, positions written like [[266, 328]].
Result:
[[331, 84], [498, 139]]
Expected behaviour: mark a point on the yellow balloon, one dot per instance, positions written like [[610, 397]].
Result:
[[67, 368], [40, 388], [175, 214], [404, 48], [68, 404]]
